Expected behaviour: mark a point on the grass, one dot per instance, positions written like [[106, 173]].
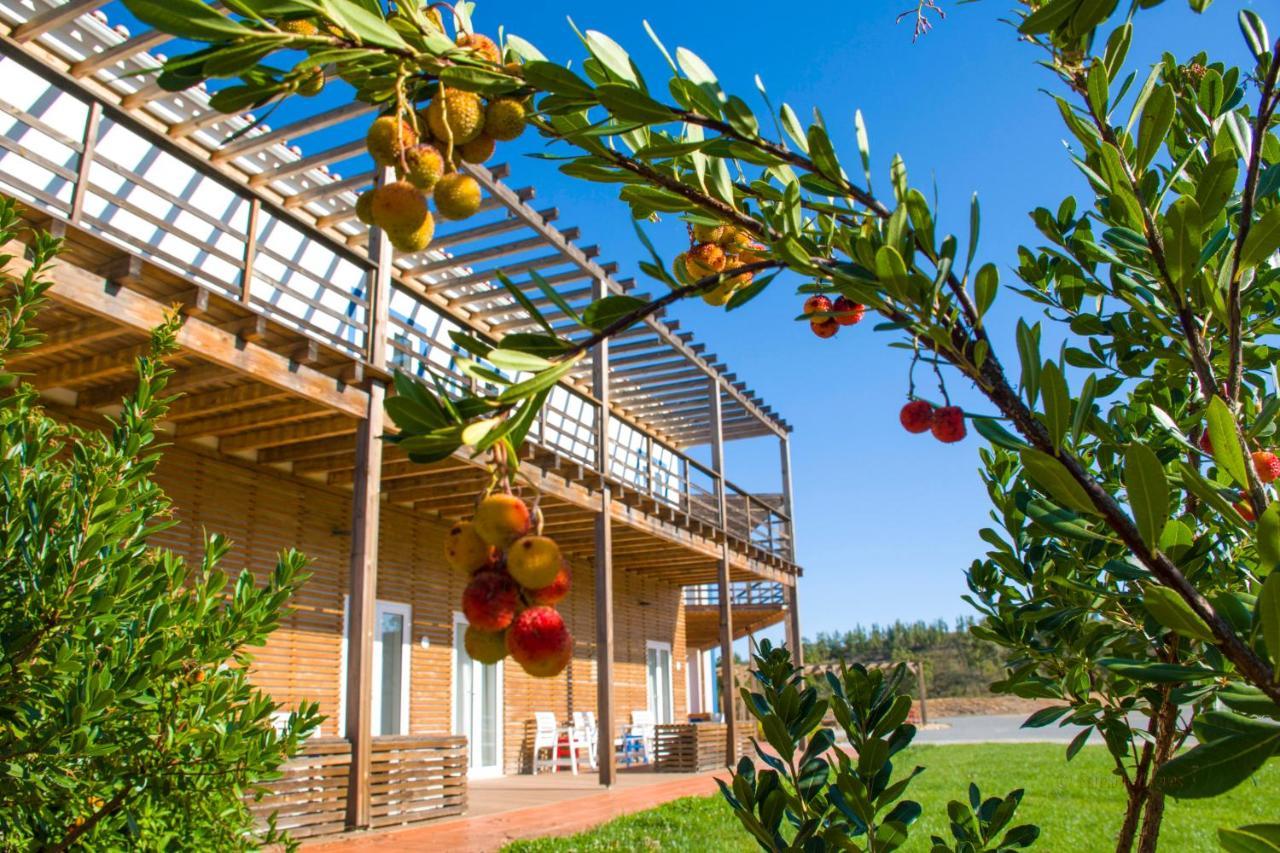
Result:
[[1077, 806]]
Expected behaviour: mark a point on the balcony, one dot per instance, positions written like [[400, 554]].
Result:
[[755, 606], [259, 238]]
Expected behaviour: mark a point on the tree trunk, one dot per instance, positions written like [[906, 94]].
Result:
[[1153, 813], [1137, 799]]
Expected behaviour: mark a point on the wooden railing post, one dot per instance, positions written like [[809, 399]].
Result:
[[605, 722], [250, 252], [364, 552], [727, 689], [87, 145], [648, 454]]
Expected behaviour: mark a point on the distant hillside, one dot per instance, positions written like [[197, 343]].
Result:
[[956, 664]]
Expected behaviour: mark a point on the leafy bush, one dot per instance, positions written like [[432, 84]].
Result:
[[127, 719], [833, 799]]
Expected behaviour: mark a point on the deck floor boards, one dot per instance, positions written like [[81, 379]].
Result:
[[503, 810]]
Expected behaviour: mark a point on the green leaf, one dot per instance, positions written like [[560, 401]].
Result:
[[1057, 403], [1157, 673], [1148, 491], [985, 286], [1269, 614], [190, 19], [537, 382], [864, 145], [1226, 444], [612, 57], [1216, 185], [1058, 520], [370, 26], [892, 272], [604, 312], [1216, 767], [556, 79], [1054, 478], [510, 359], [1182, 242], [823, 154], [1254, 838], [1171, 611], [1267, 538], [1255, 33], [991, 430], [524, 301], [470, 344], [1157, 118], [1048, 17], [630, 104], [1263, 239]]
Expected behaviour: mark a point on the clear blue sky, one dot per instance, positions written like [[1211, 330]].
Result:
[[886, 522]]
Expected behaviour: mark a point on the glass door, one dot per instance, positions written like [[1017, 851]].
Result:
[[477, 706], [391, 669], [658, 664]]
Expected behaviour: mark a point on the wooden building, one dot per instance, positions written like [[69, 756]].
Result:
[[296, 316]]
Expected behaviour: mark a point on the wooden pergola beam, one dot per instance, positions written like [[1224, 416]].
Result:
[[52, 18], [258, 418], [251, 144], [76, 335], [330, 427], [97, 295]]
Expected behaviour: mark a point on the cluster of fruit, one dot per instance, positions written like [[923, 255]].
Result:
[[1265, 463], [517, 578], [719, 249], [426, 148], [945, 422], [830, 316]]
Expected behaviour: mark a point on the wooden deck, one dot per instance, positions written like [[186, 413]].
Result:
[[503, 810]]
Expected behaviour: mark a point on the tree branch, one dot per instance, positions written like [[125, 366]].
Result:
[[675, 295], [1266, 106]]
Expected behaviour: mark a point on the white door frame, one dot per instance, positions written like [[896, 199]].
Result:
[[459, 628], [375, 710], [658, 645]]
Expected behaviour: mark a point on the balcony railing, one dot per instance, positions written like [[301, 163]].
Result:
[[741, 594], [74, 160]]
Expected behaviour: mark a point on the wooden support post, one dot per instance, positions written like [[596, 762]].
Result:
[[364, 559], [87, 145], [795, 640], [727, 689], [924, 694], [603, 563], [364, 593]]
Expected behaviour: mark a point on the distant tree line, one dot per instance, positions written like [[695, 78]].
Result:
[[956, 663]]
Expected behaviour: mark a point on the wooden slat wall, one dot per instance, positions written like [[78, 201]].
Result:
[[311, 797], [414, 778], [263, 513], [696, 747]]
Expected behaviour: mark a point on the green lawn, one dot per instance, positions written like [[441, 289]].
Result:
[[1078, 806]]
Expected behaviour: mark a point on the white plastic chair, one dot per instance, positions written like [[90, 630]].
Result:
[[593, 738], [582, 737], [544, 738], [637, 739]]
